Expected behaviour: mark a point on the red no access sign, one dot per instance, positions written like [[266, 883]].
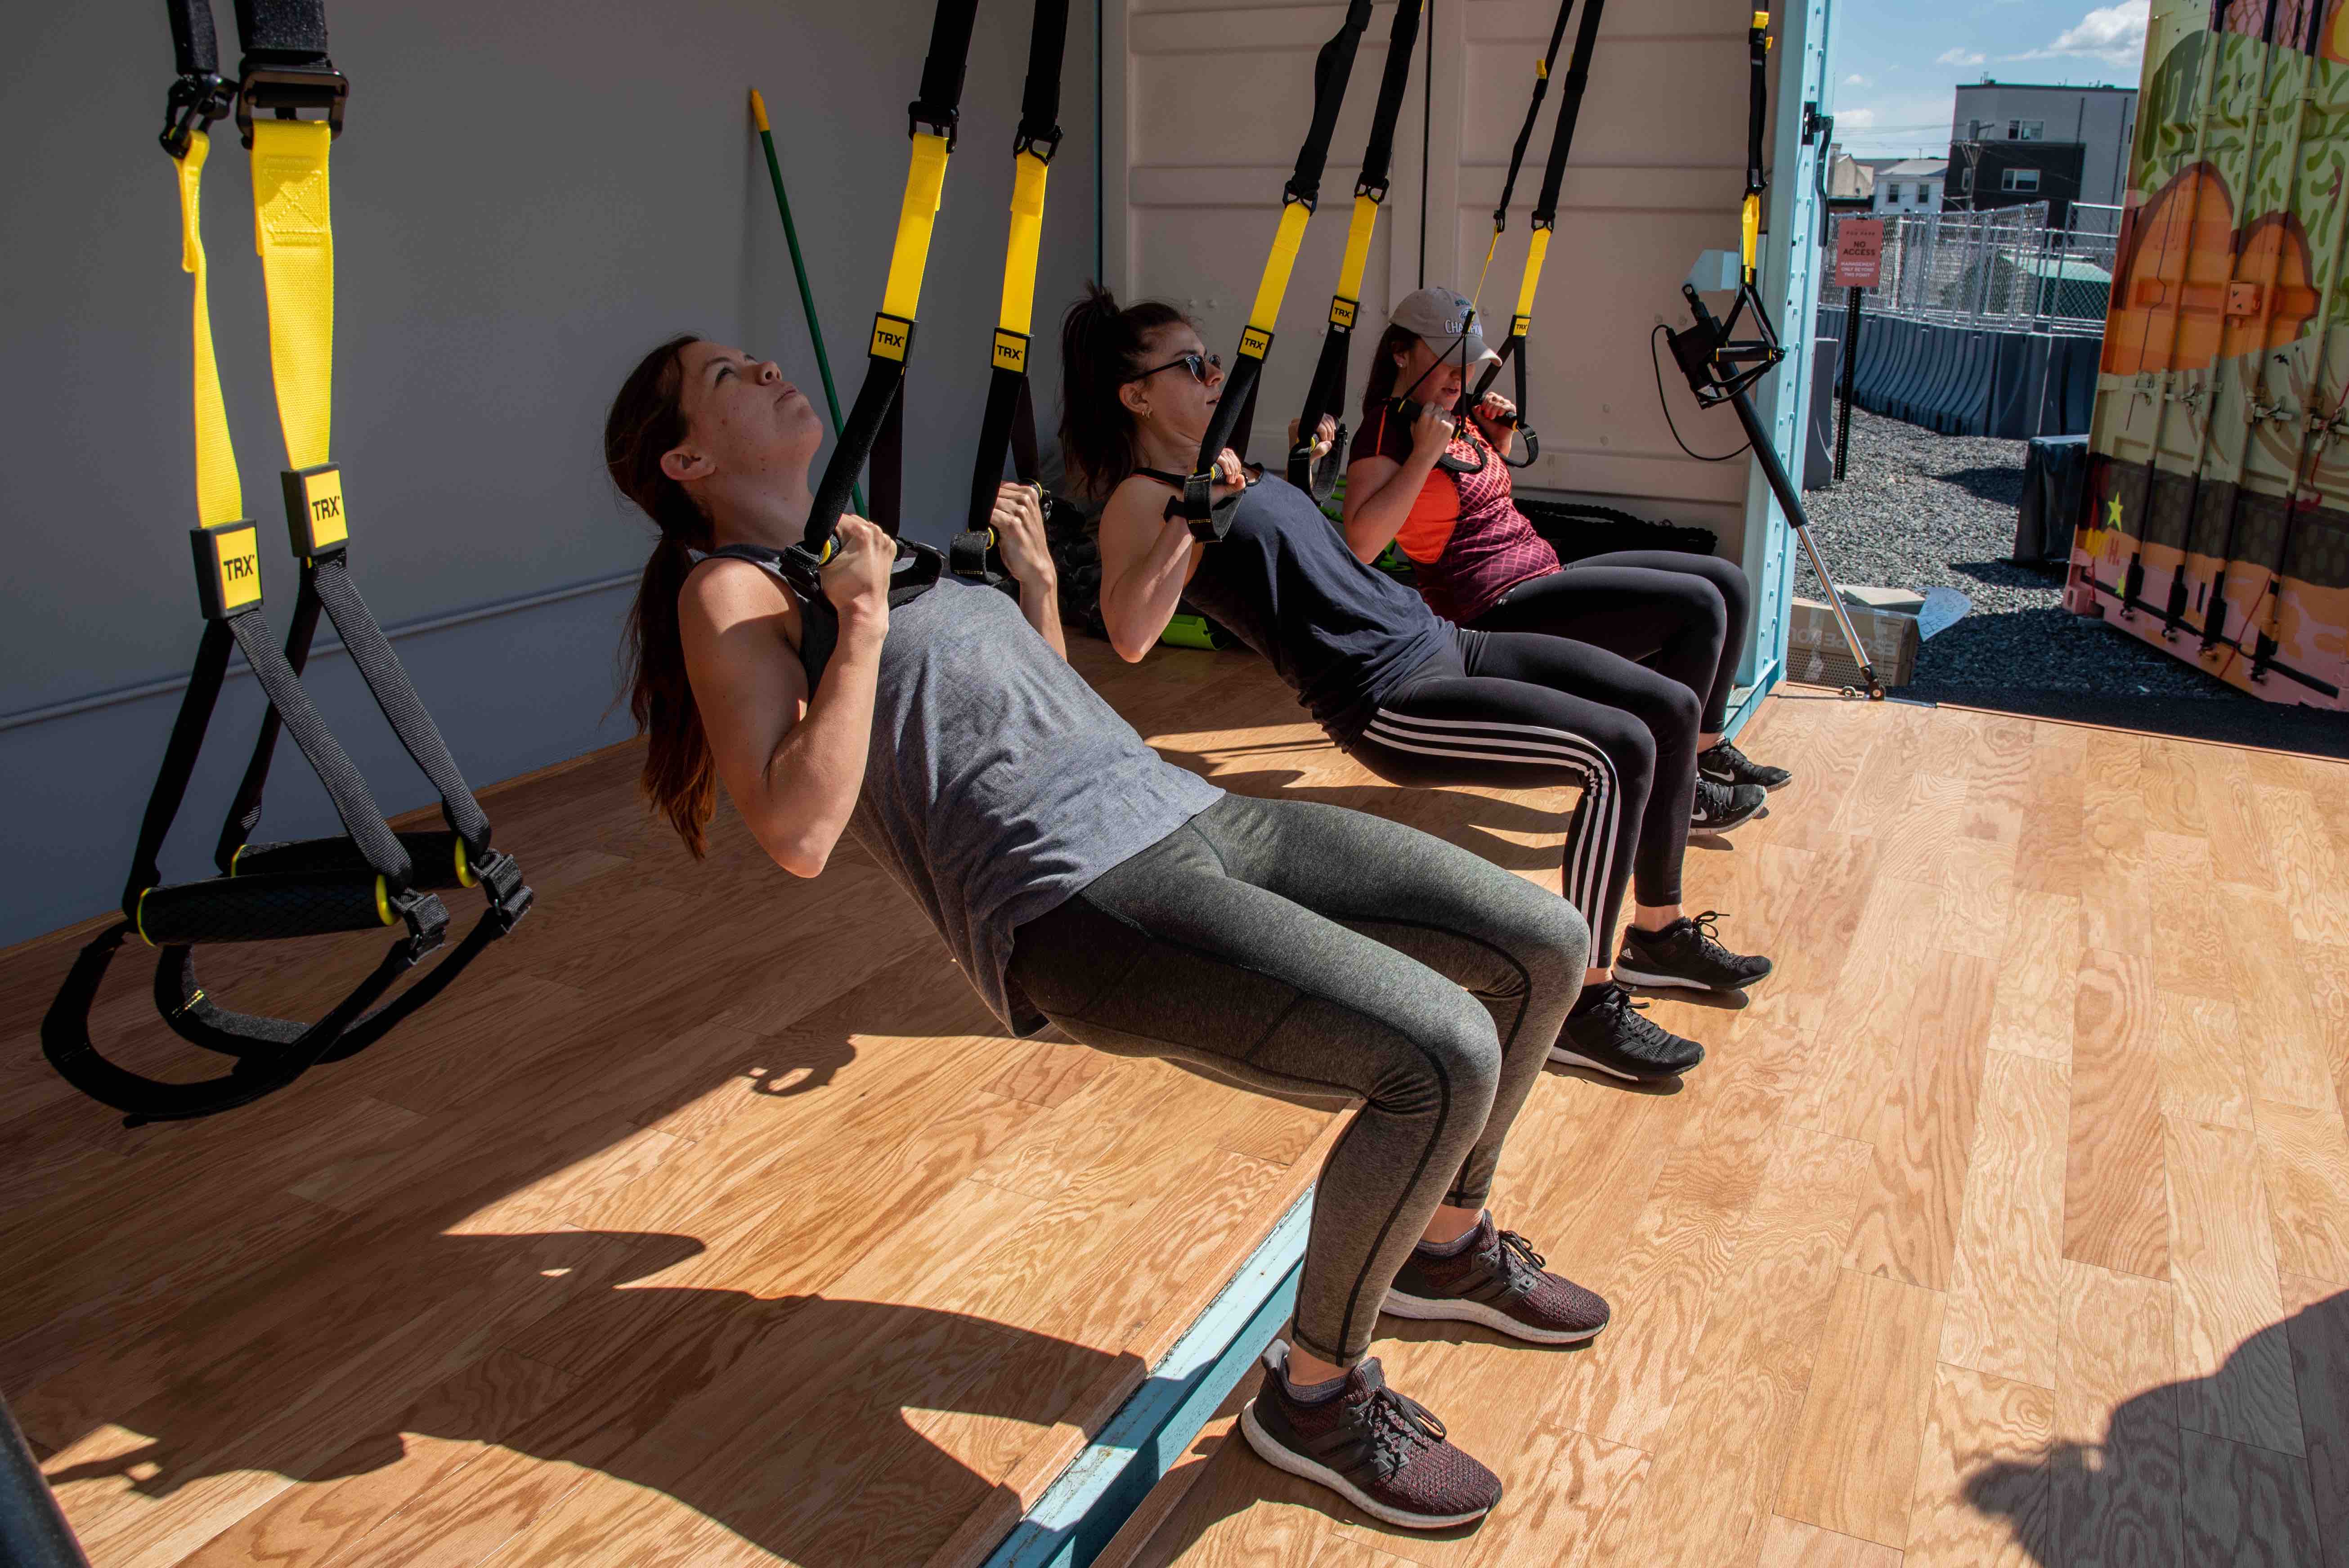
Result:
[[1859, 252]]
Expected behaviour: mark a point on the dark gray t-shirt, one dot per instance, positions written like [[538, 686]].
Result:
[[998, 782]]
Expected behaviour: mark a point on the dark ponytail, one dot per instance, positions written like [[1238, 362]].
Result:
[[1380, 387], [646, 420], [1101, 345]]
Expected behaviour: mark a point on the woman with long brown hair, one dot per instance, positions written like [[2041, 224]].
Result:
[[1079, 878], [1411, 697]]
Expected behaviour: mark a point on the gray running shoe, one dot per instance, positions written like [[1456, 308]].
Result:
[[1385, 1454]]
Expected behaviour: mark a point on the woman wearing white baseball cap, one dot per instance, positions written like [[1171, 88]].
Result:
[[1480, 562], [1413, 697]]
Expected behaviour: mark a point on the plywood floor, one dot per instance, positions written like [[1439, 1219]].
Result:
[[711, 1222], [2008, 1225]]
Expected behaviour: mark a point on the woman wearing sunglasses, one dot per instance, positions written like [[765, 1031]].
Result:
[[1413, 697], [1435, 486]]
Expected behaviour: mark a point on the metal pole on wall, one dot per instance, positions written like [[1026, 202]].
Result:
[[1850, 366]]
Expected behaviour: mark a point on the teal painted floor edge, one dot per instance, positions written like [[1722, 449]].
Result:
[[1102, 1486], [1745, 700]]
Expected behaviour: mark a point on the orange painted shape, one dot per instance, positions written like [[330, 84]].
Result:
[[2181, 258]]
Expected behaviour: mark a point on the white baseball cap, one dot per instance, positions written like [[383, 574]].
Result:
[[1444, 320]]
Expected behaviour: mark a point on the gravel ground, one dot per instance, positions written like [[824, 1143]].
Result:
[[1918, 510]]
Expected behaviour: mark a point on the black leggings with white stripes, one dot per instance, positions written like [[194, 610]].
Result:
[[1519, 710]]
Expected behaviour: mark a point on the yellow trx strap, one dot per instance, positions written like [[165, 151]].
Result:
[[1348, 298], [1257, 341], [925, 178], [294, 231], [1536, 254], [1017, 313], [220, 498]]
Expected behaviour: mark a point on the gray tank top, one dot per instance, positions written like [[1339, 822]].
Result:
[[1000, 783]]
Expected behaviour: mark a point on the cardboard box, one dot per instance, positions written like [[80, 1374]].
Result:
[[1816, 654]]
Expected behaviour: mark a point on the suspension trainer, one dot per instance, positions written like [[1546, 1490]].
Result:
[[1545, 218], [369, 878], [1722, 367], [1236, 408], [1327, 392], [1009, 426]]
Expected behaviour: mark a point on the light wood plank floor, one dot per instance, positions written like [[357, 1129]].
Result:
[[2008, 1225], [711, 1221]]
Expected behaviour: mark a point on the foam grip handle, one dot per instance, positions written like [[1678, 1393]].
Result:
[[439, 858], [260, 908]]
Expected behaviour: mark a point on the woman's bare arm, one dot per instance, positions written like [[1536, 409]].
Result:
[[1146, 559], [793, 761]]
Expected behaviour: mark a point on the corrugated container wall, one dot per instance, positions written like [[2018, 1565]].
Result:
[[2217, 526]]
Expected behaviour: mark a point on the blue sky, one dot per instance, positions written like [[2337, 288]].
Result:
[[1897, 65]]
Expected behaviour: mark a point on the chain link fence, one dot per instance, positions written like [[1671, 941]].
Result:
[[2004, 269]]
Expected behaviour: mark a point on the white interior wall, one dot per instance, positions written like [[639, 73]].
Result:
[[1204, 118]]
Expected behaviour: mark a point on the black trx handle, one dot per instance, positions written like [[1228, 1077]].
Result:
[[1009, 427], [1545, 217], [934, 119], [914, 573], [1325, 393], [1332, 66]]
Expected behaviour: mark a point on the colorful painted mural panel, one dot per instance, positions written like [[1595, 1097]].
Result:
[[2218, 519]]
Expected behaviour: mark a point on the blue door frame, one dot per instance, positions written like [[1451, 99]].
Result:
[[1790, 260]]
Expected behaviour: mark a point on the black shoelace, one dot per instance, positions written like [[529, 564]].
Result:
[[1703, 927], [1726, 750], [1514, 1259], [1400, 1429], [1618, 1002]]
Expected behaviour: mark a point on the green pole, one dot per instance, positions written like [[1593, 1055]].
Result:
[[799, 269]]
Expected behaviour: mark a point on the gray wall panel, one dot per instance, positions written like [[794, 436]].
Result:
[[527, 196]]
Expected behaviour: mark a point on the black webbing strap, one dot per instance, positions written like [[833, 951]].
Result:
[[287, 33], [199, 95], [937, 107], [1008, 427], [1333, 65], [1533, 109], [394, 695], [244, 810], [1325, 394], [1757, 103], [1545, 216]]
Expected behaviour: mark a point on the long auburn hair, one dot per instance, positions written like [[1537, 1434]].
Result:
[[647, 418], [1384, 370], [1101, 345]]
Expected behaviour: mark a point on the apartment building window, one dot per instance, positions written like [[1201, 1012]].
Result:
[[2026, 130], [1892, 192], [2018, 180]]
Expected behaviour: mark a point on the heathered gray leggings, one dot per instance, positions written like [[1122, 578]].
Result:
[[1303, 948]]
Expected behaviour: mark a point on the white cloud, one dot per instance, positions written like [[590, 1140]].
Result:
[[1857, 80], [1959, 57], [2108, 29], [2113, 34], [1854, 119]]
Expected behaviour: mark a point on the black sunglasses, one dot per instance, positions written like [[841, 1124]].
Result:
[[1196, 364]]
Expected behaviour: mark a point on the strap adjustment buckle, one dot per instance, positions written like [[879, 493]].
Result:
[[1376, 192], [194, 102], [426, 917], [946, 122], [283, 91], [499, 876], [1043, 144]]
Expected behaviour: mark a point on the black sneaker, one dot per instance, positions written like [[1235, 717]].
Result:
[[1684, 953], [1385, 1454], [1611, 1036], [1498, 1281], [1720, 807], [1724, 764]]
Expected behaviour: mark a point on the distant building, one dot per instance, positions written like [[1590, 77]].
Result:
[[2012, 143], [1853, 179], [1911, 185]]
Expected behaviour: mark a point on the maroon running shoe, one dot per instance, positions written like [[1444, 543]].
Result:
[[1385, 1454], [1498, 1281]]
